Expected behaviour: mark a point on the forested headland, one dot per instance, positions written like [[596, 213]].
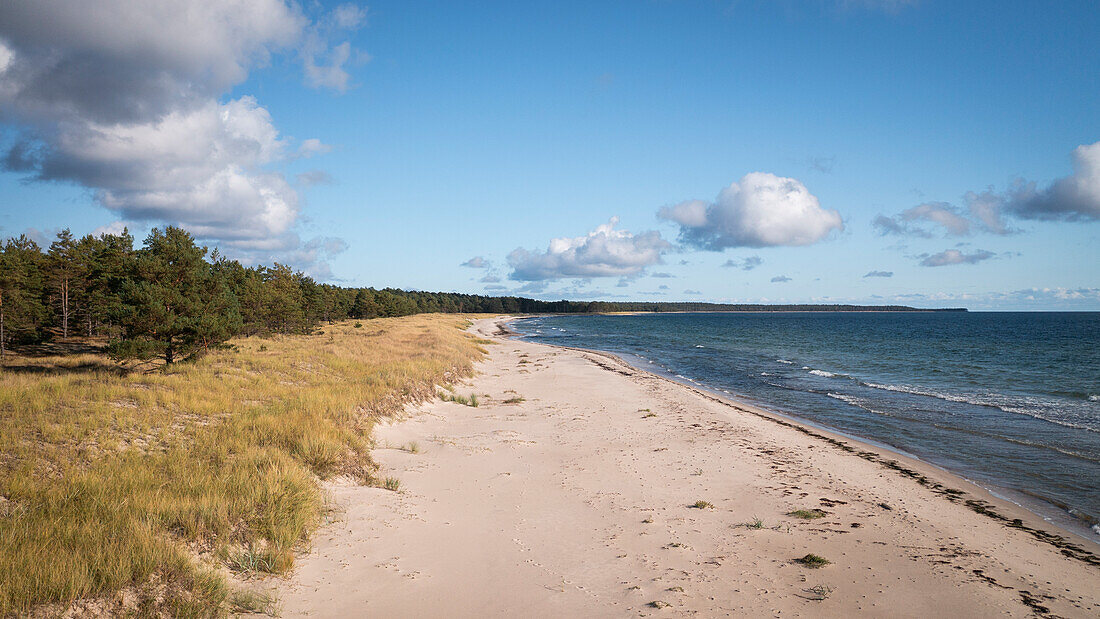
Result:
[[171, 297]]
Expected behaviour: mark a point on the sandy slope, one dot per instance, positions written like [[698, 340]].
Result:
[[577, 502]]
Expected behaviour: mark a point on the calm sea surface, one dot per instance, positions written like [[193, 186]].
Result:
[[1009, 400]]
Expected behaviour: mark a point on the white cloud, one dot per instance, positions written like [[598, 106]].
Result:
[[879, 274], [760, 210], [123, 99], [603, 252], [953, 256], [330, 72], [779, 279], [477, 262], [200, 168], [1074, 197], [349, 16], [311, 147], [113, 60]]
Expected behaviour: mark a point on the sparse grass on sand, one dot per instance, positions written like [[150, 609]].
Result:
[[154, 481], [808, 514]]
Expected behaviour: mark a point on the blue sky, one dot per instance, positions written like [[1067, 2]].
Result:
[[387, 144]]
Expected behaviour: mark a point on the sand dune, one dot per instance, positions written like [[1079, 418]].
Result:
[[580, 501]]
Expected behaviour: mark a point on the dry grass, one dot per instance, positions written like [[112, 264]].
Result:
[[113, 480]]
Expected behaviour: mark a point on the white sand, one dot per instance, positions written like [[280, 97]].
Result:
[[576, 502]]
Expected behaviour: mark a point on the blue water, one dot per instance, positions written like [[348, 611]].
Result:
[[1010, 400]]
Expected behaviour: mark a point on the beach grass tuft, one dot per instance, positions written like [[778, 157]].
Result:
[[701, 504], [392, 483]]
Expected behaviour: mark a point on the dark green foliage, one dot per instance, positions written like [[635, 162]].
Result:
[[175, 304], [169, 299]]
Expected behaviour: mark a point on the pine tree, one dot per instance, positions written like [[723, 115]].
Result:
[[63, 274], [174, 306]]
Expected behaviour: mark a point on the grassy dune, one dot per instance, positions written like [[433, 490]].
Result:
[[154, 482]]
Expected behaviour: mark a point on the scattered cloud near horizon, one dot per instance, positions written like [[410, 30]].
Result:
[[761, 210], [128, 103], [879, 274], [778, 279], [477, 262], [604, 252], [746, 264], [949, 257]]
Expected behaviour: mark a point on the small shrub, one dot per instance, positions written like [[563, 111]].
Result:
[[392, 483], [648, 415], [413, 447], [812, 560], [515, 400], [659, 604], [702, 504], [358, 325], [473, 400]]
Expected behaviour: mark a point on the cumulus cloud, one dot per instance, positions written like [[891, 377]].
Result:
[[604, 252], [477, 262], [778, 279], [1073, 198], [747, 264], [489, 279], [760, 210], [125, 100], [879, 274], [948, 257]]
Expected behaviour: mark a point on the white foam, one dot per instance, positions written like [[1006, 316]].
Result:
[[822, 373], [784, 361], [1094, 398]]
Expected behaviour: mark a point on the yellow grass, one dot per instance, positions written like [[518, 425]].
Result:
[[156, 481]]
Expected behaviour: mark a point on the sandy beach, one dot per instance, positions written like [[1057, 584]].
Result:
[[581, 486]]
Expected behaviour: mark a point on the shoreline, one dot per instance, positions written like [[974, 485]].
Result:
[[583, 486], [1059, 517]]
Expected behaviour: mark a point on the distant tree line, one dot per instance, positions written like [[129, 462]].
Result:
[[172, 298]]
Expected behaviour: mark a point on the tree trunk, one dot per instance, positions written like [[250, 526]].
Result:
[[169, 355], [65, 309], [2, 349]]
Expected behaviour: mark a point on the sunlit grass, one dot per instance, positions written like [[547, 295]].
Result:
[[111, 480]]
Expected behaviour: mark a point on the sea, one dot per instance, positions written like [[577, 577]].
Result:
[[1010, 401]]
